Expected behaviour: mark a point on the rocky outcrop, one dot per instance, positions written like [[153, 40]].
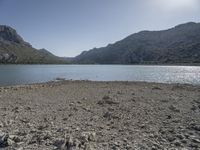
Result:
[[13, 49], [10, 35], [7, 58]]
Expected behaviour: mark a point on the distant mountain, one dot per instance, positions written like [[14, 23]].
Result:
[[180, 44], [13, 49]]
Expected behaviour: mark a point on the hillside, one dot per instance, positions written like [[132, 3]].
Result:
[[13, 49], [180, 44]]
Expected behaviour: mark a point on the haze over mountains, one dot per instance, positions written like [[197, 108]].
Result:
[[180, 44]]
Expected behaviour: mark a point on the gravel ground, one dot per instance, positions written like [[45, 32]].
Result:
[[85, 115]]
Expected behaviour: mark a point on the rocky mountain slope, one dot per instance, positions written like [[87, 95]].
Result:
[[13, 49], [180, 44]]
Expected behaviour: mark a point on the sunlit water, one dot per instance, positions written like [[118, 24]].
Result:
[[26, 74]]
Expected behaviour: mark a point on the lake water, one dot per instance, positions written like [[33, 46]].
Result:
[[26, 74]]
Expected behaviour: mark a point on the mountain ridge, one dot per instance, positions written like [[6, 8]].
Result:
[[177, 45], [14, 50], [169, 46]]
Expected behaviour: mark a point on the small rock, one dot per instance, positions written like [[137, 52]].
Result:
[[15, 138], [11, 142], [184, 141], [3, 139], [84, 98], [106, 97], [193, 145], [69, 143], [173, 108], [119, 92], [169, 116], [88, 147], [180, 136], [177, 143], [59, 142], [196, 127], [107, 101], [107, 115], [88, 136], [170, 138], [60, 79], [1, 125], [156, 88], [196, 140]]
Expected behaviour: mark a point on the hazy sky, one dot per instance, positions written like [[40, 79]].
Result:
[[67, 27]]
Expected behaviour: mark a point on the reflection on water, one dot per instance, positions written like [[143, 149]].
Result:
[[25, 74]]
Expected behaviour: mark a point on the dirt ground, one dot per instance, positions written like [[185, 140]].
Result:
[[86, 115]]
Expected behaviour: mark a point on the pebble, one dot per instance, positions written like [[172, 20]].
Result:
[[196, 140], [59, 142], [173, 108], [3, 139], [15, 138], [196, 127], [88, 136], [106, 97]]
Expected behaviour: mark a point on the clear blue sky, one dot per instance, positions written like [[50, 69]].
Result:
[[67, 27]]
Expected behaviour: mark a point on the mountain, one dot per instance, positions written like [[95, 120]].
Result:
[[180, 44], [13, 49]]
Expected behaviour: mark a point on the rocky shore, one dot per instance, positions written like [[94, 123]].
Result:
[[85, 115]]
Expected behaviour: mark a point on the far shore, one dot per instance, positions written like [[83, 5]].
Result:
[[153, 64]]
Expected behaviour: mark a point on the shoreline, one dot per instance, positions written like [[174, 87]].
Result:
[[181, 64], [96, 115], [63, 81]]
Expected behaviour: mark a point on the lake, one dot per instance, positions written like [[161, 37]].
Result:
[[26, 74]]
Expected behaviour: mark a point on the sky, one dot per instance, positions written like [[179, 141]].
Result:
[[68, 27]]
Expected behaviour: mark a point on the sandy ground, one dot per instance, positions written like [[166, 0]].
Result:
[[84, 115]]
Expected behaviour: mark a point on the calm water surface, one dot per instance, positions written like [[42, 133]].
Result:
[[26, 74]]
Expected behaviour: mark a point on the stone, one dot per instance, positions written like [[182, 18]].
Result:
[[59, 142], [173, 108], [3, 139], [15, 138], [107, 100], [196, 127], [171, 138], [195, 140], [193, 146], [107, 115], [1, 125], [177, 143], [88, 147], [60, 79], [119, 92], [106, 97], [156, 88], [69, 143], [88, 136], [180, 136]]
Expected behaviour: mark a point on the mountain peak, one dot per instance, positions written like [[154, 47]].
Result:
[[9, 34], [187, 24], [13, 49], [5, 28], [180, 44]]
